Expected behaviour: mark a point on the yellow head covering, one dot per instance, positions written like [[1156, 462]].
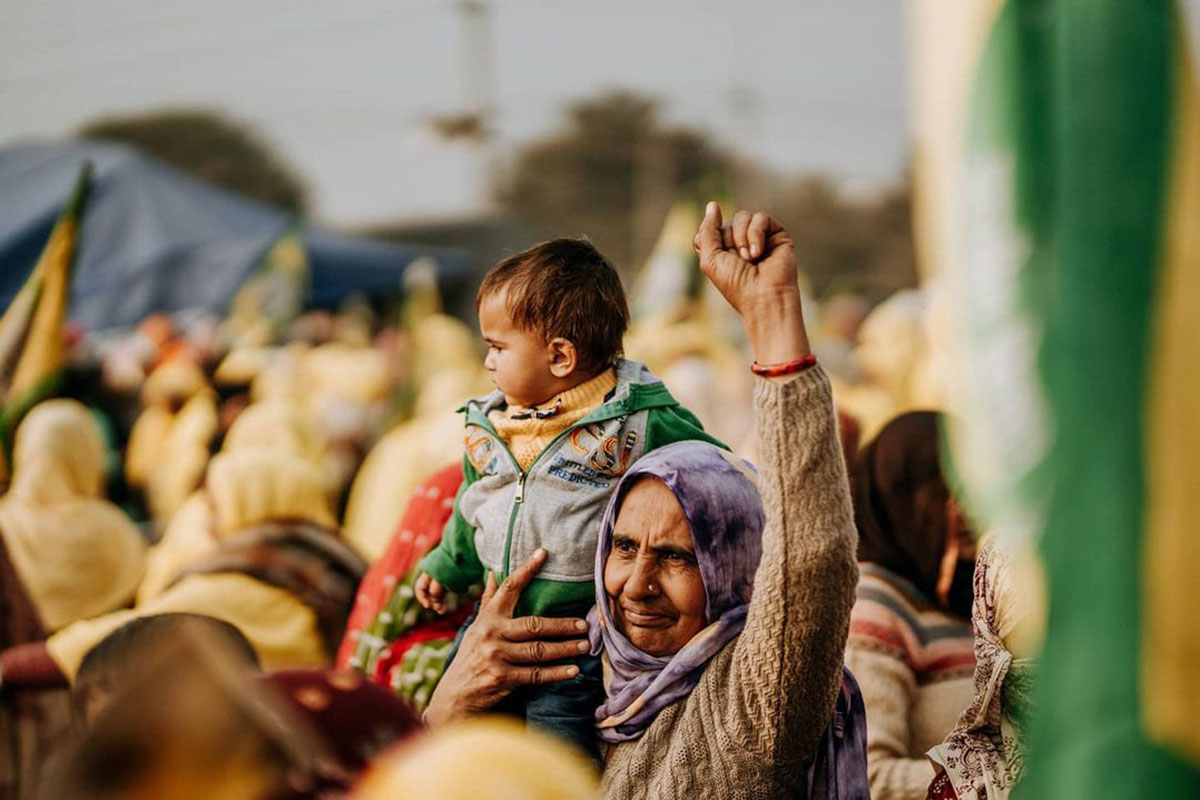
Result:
[[168, 446], [242, 488], [506, 758], [173, 382], [279, 431], [278, 427], [353, 374], [250, 486], [177, 464], [76, 554]]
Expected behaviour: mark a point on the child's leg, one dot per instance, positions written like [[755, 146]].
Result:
[[568, 709], [458, 637]]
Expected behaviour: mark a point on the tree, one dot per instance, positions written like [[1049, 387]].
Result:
[[211, 147], [846, 243], [611, 172]]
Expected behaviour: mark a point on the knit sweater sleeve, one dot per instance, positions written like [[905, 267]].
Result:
[[786, 667], [888, 686]]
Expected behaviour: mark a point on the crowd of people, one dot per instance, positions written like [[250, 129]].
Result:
[[265, 558]]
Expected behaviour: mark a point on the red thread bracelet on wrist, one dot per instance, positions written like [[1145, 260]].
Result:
[[786, 368]]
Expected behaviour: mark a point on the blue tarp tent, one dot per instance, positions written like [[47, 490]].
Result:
[[155, 239]]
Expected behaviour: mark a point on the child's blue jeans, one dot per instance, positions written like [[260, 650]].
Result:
[[566, 709]]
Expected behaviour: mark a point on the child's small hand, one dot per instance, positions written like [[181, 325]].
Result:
[[430, 593]]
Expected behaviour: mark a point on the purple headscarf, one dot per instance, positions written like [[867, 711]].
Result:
[[717, 493]]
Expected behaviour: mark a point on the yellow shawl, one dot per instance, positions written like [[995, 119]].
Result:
[[77, 555], [243, 488], [276, 426], [247, 483]]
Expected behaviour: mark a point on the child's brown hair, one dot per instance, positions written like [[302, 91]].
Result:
[[564, 288]]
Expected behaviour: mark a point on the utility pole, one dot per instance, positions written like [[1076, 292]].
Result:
[[473, 122]]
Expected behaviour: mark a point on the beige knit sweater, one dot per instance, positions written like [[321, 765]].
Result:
[[748, 728]]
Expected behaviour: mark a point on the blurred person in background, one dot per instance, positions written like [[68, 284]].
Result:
[[704, 371], [389, 638], [891, 364], [346, 389], [169, 444], [343, 390], [276, 569], [272, 427], [910, 640], [840, 317], [443, 367], [66, 554]]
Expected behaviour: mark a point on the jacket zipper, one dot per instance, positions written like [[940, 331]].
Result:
[[512, 523], [520, 498]]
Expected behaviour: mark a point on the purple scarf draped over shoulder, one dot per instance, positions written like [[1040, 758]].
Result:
[[717, 493]]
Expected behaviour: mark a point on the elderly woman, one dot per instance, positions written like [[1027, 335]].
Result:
[[910, 634], [723, 666]]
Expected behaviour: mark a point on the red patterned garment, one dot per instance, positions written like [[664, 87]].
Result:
[[941, 789], [389, 637]]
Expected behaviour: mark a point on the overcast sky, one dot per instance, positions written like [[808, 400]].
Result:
[[345, 88]]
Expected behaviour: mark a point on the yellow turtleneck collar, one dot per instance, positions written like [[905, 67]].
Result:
[[527, 434]]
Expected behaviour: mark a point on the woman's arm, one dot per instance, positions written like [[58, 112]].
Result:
[[787, 662], [498, 653]]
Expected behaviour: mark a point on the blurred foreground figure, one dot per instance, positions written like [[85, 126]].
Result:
[[177, 713], [182, 724], [910, 640], [507, 760], [1059, 181]]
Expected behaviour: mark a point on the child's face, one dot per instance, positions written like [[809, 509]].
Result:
[[518, 361]]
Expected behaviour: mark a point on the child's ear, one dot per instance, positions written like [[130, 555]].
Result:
[[564, 358]]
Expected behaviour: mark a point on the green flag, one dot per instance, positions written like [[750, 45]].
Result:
[[1058, 165]]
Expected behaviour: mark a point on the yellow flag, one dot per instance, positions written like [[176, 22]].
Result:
[[32, 352]]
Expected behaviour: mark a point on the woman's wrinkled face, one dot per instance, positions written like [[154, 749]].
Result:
[[652, 578]]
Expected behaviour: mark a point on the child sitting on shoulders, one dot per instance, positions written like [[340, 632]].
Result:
[[546, 449]]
